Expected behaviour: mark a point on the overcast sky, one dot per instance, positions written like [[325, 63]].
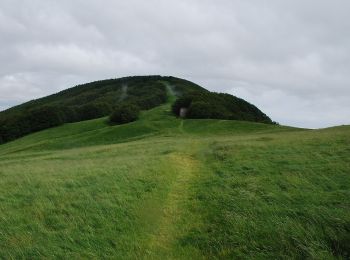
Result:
[[291, 58]]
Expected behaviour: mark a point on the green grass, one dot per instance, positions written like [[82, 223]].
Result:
[[162, 188]]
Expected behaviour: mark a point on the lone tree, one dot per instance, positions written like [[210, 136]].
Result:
[[124, 114]]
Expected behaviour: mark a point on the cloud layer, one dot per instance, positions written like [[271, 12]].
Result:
[[291, 58]]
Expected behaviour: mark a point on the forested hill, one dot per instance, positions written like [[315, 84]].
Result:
[[110, 91], [101, 98]]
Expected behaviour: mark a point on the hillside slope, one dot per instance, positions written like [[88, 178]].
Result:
[[165, 188], [101, 98]]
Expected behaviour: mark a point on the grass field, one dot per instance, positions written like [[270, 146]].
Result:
[[163, 188]]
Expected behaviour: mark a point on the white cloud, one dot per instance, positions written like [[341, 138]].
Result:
[[291, 58]]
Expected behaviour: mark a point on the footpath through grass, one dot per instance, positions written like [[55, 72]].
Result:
[[164, 188]]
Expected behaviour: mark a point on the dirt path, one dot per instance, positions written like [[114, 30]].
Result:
[[181, 127], [176, 218]]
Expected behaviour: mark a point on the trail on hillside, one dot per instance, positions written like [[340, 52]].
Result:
[[170, 89], [124, 93], [172, 96], [176, 219], [181, 127]]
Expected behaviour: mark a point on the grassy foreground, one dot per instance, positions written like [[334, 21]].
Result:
[[166, 188]]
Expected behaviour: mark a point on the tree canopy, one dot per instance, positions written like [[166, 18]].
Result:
[[211, 105]]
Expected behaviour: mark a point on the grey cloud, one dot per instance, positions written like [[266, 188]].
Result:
[[291, 58]]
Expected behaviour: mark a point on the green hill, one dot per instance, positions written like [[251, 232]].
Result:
[[167, 188], [101, 98]]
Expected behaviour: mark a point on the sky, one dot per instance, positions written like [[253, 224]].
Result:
[[290, 58]]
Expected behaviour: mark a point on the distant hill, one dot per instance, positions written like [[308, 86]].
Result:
[[100, 98]]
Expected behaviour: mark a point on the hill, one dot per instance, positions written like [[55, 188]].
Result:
[[101, 98], [167, 188]]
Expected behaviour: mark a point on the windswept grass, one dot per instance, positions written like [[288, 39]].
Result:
[[164, 188], [284, 196]]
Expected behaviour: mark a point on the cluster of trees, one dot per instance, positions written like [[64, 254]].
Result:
[[184, 87], [83, 102], [210, 105], [149, 96], [125, 113], [31, 121]]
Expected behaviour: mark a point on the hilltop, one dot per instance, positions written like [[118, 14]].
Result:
[[100, 98]]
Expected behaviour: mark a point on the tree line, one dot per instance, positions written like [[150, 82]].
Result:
[[211, 105], [83, 102]]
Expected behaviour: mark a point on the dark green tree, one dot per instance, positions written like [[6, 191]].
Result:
[[200, 109], [43, 117], [124, 114]]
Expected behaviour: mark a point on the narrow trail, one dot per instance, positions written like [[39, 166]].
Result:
[[124, 92], [170, 89], [175, 218], [172, 96], [181, 127]]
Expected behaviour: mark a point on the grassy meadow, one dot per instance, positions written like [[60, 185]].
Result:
[[166, 188]]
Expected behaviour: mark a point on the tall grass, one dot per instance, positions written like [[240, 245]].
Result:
[[163, 188]]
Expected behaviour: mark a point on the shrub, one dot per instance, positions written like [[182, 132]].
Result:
[[93, 110], [124, 114]]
